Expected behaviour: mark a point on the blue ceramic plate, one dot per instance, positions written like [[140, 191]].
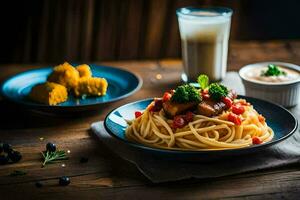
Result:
[[121, 84], [278, 118]]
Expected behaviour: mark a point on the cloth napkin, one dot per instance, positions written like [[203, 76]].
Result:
[[160, 170]]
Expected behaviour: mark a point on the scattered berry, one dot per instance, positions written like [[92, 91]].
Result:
[[64, 181], [15, 156], [3, 159], [9, 154], [51, 147], [38, 184], [6, 147], [84, 160]]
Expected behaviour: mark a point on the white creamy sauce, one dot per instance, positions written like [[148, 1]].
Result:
[[255, 74]]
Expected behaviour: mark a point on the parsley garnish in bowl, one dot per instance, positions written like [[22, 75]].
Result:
[[273, 70]]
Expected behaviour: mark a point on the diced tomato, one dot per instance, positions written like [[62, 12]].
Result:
[[205, 91], [167, 96], [256, 140], [178, 122], [158, 102], [205, 95], [138, 114], [188, 117], [261, 118], [150, 107], [238, 109], [156, 106], [171, 92], [227, 101], [243, 102], [234, 118]]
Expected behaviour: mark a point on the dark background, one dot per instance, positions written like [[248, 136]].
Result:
[[44, 31]]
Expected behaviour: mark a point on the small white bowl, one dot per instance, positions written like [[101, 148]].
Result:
[[286, 93]]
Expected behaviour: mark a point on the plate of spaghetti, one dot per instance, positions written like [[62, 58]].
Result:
[[208, 119]]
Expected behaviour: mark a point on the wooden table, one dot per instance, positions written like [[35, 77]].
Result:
[[106, 176]]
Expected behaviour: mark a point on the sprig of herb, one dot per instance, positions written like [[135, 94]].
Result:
[[50, 157], [273, 70]]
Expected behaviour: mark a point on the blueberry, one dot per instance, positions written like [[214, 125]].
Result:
[[15, 156], [84, 160], [51, 147], [3, 159], [6, 147], [38, 184], [64, 181]]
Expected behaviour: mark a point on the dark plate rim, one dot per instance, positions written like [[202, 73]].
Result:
[[174, 151], [36, 105]]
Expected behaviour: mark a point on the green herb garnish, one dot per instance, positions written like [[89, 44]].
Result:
[[186, 93], [50, 157], [217, 91], [273, 70], [18, 173], [203, 81]]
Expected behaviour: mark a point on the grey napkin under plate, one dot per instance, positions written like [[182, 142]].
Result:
[[284, 153]]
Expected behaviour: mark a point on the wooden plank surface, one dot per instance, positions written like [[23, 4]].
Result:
[[106, 176]]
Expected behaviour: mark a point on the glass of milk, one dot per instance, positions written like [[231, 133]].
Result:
[[204, 36]]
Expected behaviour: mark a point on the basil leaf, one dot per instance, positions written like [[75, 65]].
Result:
[[203, 81]]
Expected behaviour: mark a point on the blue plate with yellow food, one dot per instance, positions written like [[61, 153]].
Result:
[[205, 122], [70, 88]]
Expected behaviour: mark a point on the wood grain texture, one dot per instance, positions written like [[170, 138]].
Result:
[[107, 31], [89, 31], [155, 28], [96, 30], [172, 47], [130, 30], [106, 176]]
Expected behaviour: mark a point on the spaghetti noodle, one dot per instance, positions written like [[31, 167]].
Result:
[[154, 128]]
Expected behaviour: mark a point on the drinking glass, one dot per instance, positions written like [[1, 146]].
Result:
[[204, 36]]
